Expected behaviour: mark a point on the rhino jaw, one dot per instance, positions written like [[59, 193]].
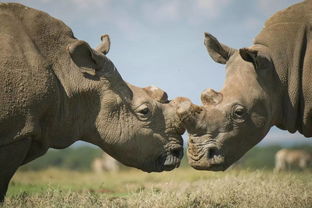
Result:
[[174, 158], [171, 159], [166, 162]]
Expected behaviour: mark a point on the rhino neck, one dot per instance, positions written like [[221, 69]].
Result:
[[78, 104], [287, 42], [294, 71]]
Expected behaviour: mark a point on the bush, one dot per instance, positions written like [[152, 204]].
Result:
[[73, 158]]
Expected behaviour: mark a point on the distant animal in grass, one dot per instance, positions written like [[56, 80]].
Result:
[[287, 159], [105, 163]]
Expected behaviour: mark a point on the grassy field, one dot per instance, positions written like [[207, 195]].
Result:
[[183, 187]]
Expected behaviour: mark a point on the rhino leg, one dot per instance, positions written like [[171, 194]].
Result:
[[11, 157]]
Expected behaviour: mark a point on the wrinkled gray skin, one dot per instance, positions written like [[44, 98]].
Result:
[[266, 84], [56, 90]]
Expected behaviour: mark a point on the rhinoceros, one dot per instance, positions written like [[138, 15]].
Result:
[[267, 84], [56, 89], [105, 163], [287, 159]]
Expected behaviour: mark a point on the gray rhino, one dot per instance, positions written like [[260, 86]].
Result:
[[105, 163], [56, 90], [287, 159], [266, 84]]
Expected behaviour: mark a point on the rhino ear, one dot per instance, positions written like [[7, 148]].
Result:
[[259, 60], [249, 55], [85, 57], [105, 45], [157, 94], [219, 52]]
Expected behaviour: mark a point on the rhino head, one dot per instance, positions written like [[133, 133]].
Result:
[[137, 126], [232, 121]]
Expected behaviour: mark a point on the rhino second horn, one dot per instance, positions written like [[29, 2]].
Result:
[[184, 107], [211, 97], [157, 94], [105, 45]]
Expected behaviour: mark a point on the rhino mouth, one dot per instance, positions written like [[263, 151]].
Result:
[[170, 159], [206, 156]]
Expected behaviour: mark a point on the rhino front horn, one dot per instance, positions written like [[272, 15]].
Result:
[[105, 45], [211, 97], [185, 108], [187, 112]]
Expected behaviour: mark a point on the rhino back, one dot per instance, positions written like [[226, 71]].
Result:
[[48, 34], [30, 43], [297, 13]]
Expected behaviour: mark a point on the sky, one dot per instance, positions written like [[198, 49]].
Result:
[[160, 42]]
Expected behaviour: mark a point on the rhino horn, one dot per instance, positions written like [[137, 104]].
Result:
[[105, 45], [187, 112], [211, 97], [157, 94]]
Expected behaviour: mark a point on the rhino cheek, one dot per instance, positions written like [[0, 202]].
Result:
[[140, 152], [124, 139], [238, 144]]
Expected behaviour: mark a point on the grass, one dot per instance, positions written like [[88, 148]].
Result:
[[183, 187]]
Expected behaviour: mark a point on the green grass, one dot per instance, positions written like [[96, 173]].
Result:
[[183, 187]]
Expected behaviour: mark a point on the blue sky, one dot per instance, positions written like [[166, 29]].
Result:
[[160, 42]]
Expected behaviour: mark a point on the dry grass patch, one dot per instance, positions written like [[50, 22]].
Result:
[[179, 188]]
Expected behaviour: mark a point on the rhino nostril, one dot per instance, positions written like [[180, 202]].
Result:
[[176, 152], [212, 152]]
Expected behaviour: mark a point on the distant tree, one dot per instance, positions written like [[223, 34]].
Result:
[[73, 158]]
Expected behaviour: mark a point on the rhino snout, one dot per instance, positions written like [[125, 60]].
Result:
[[205, 155]]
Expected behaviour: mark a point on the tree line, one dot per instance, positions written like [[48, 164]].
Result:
[[80, 158]]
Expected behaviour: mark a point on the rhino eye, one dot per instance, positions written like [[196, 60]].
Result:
[[239, 112], [144, 111]]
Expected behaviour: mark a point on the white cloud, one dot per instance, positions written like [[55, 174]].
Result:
[[168, 11], [269, 7], [131, 17], [90, 4], [80, 4], [129, 27], [210, 8], [252, 23], [187, 10], [161, 11]]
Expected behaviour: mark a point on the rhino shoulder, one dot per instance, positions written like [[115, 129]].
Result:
[[297, 14], [28, 84]]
